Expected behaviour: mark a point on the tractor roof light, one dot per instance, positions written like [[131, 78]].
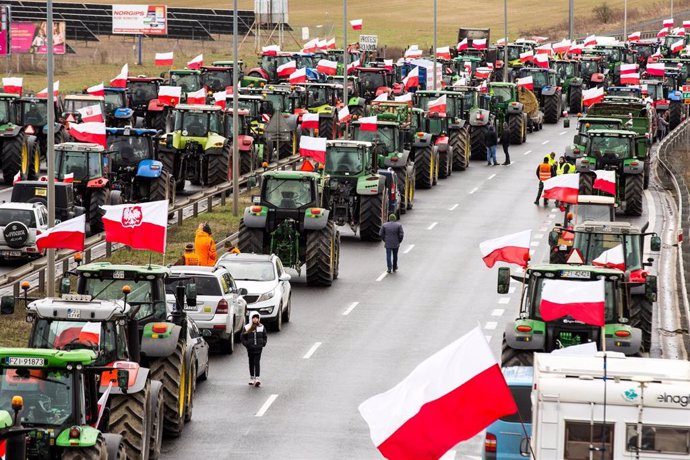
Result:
[[17, 403]]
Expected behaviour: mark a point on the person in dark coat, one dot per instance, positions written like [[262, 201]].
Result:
[[392, 235], [254, 339], [490, 140], [505, 142]]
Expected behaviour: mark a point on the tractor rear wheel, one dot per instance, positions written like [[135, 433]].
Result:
[[171, 371], [586, 184], [444, 163], [99, 197], [516, 124], [646, 173], [459, 140], [191, 389], [156, 430], [425, 168], [168, 160], [320, 257], [575, 100], [327, 127], [129, 417], [641, 311], [157, 120], [246, 162], [551, 109], [98, 451], [13, 150], [674, 115], [357, 111], [217, 167], [31, 159], [478, 142], [158, 188], [250, 240], [513, 357], [372, 215], [633, 195]]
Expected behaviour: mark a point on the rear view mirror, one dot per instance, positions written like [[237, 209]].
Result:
[[190, 294], [285, 277], [7, 305], [65, 286], [243, 291], [553, 238], [503, 280], [650, 288], [655, 243], [524, 448], [123, 380]]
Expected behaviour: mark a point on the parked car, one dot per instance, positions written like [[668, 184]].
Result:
[[19, 225], [200, 350], [220, 310], [267, 284]]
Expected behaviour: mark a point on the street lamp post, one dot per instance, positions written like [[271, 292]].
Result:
[[50, 149], [435, 44], [346, 57], [505, 45], [235, 121], [625, 19]]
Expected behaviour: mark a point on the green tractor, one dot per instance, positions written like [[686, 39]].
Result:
[[508, 109], [54, 397], [195, 149], [287, 220], [219, 76], [584, 125], [529, 333], [19, 150], [547, 90], [32, 114], [322, 98], [189, 80], [568, 72], [431, 150], [479, 116]]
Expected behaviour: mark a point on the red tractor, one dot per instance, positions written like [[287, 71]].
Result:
[[144, 100]]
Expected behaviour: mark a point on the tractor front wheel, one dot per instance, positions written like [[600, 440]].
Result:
[[13, 152], [634, 186], [171, 371], [157, 120], [516, 124], [217, 168], [129, 417], [551, 109], [425, 168], [250, 240], [98, 451], [513, 357], [575, 100], [99, 197], [641, 311], [478, 142], [372, 215], [459, 141], [327, 127], [321, 255]]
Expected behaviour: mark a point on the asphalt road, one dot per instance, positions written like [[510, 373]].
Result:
[[369, 330]]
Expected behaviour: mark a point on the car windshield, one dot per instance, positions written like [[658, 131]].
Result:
[[217, 80], [84, 165], [371, 81], [72, 105], [243, 270], [502, 93], [341, 160], [67, 335], [129, 150], [384, 134], [288, 193], [538, 287], [5, 114], [189, 83], [47, 394], [114, 100], [592, 245], [35, 113], [25, 216], [205, 284], [603, 145], [142, 92]]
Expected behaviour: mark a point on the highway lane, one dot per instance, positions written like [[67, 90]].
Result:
[[372, 329]]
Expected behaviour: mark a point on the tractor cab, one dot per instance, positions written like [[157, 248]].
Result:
[[349, 158], [142, 90], [217, 78], [541, 77], [188, 80], [642, 49], [73, 103], [565, 69], [584, 125], [197, 121], [289, 194], [130, 146], [610, 147], [8, 109], [117, 111], [317, 96], [33, 111], [372, 81], [591, 66], [231, 64]]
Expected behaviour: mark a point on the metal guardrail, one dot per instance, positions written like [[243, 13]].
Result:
[[212, 197]]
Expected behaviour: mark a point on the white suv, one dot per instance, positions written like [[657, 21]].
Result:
[[19, 225], [267, 284], [220, 309]]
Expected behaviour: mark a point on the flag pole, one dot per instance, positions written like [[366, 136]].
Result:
[[346, 57], [50, 149], [235, 119]]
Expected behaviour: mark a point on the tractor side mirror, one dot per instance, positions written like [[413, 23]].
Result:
[[123, 380], [169, 140], [655, 243], [65, 286], [524, 447], [553, 238], [503, 280], [650, 288], [190, 294], [256, 199], [7, 305], [243, 291]]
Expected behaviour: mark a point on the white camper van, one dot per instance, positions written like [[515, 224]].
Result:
[[644, 413]]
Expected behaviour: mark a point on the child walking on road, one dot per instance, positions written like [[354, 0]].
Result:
[[254, 338]]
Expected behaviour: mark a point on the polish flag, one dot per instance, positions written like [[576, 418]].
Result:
[[197, 97], [412, 79], [139, 226], [44, 91], [479, 43], [512, 249], [418, 418], [668, 22], [657, 69], [605, 181], [582, 300], [443, 52], [680, 31], [310, 121], [313, 147], [438, 105], [526, 56], [611, 258], [662, 33], [17, 177], [353, 65], [93, 132], [12, 85], [467, 66], [541, 60], [686, 24], [539, 39], [501, 41], [120, 81], [576, 48], [545, 49], [311, 46], [330, 44], [164, 59], [564, 188], [413, 52], [381, 97], [90, 333], [561, 47], [271, 50], [102, 404], [286, 69], [91, 113], [344, 115], [630, 79], [298, 76], [327, 67], [482, 73], [196, 63], [96, 90], [592, 96], [68, 178], [367, 123], [388, 64], [169, 95], [635, 36], [219, 98], [356, 24], [526, 82], [65, 235], [676, 47], [628, 68], [407, 97], [590, 41], [462, 45]]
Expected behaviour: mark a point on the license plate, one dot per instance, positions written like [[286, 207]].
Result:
[[119, 275], [12, 253], [26, 362], [40, 192], [73, 313], [578, 274], [188, 308]]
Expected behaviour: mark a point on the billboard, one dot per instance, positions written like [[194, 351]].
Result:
[[31, 37], [140, 19]]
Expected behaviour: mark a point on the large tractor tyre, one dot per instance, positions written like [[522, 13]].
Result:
[[218, 167], [357, 111], [515, 357], [115, 447], [157, 414], [478, 142], [31, 160], [158, 121], [246, 163], [641, 311], [168, 160], [13, 150], [336, 265], [551, 109], [646, 174], [445, 163], [435, 169], [674, 115], [634, 186], [171, 371], [250, 240], [586, 184], [425, 170], [575, 100], [458, 141], [60, 136], [372, 215], [98, 451], [158, 188], [191, 389], [327, 127], [130, 418], [99, 197], [404, 185], [321, 247], [516, 124]]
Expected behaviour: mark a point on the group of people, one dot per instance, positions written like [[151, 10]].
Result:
[[549, 168], [203, 251], [491, 141]]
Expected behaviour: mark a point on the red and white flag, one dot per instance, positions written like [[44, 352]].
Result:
[[582, 300], [90, 333], [592, 96], [418, 418], [668, 22], [482, 73], [407, 97], [197, 97], [438, 105], [311, 46], [196, 63], [368, 123], [120, 81], [656, 69], [630, 79], [544, 49], [679, 31], [356, 24], [501, 41], [17, 177], [164, 59], [576, 49], [561, 47], [539, 39], [662, 33], [527, 56], [462, 45], [413, 52], [96, 90], [65, 235], [686, 24], [12, 85], [443, 52], [611, 258], [526, 82], [93, 132], [271, 50], [412, 79], [44, 91], [512, 249], [169, 95], [381, 97], [635, 36], [605, 181], [91, 113], [310, 121], [313, 147], [298, 76], [479, 43], [564, 188], [139, 226], [68, 178], [676, 47], [285, 70], [628, 68], [590, 41], [353, 65], [541, 60], [220, 98], [102, 404], [327, 67], [344, 115], [330, 44]]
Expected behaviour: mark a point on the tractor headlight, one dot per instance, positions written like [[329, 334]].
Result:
[[266, 295]]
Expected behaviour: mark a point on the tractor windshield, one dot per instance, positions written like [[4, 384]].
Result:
[[188, 82], [513, 53], [603, 146], [84, 165], [318, 96], [613, 54], [217, 80], [196, 124], [241, 129], [115, 100], [141, 294], [250, 104], [589, 67], [34, 113], [5, 113], [289, 193], [371, 81], [47, 394], [275, 103], [655, 92], [304, 61], [383, 134], [537, 287], [346, 161], [72, 335], [502, 93], [539, 79], [592, 245], [585, 126], [129, 150], [565, 70], [142, 92], [72, 105]]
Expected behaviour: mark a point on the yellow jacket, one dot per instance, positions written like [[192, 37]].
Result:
[[205, 248]]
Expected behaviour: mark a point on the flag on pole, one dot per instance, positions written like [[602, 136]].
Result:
[[527, 56], [662, 33], [327, 67], [120, 81], [68, 178], [407, 97], [677, 46], [628, 68], [413, 52], [479, 43], [196, 63], [93, 132], [512, 249], [438, 105], [313, 147], [353, 65], [164, 59], [656, 69], [482, 73], [630, 79], [668, 22], [96, 90], [102, 403], [582, 300], [17, 177], [462, 45], [605, 181], [526, 82], [576, 49], [611, 258], [344, 114], [220, 98], [91, 113], [330, 44], [271, 50], [169, 95], [13, 85], [197, 97], [356, 24], [65, 235], [564, 188], [545, 49], [443, 52], [590, 41], [381, 97], [412, 79], [686, 24], [298, 76], [139, 226], [44, 91], [635, 36], [310, 121], [541, 60], [368, 123], [561, 47], [592, 96], [285, 70]]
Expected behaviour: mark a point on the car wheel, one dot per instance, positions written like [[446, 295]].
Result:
[[227, 346], [288, 311], [278, 322]]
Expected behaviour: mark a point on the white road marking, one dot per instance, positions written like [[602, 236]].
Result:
[[271, 399], [409, 248], [490, 325], [488, 338], [452, 208], [381, 276], [350, 308], [535, 243], [555, 210], [431, 227], [491, 176], [497, 312], [563, 132], [312, 350], [474, 190], [527, 152], [539, 235], [545, 142], [504, 300]]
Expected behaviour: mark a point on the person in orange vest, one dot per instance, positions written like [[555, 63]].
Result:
[[205, 245], [544, 172], [189, 257]]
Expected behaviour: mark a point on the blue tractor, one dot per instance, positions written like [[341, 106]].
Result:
[[117, 111], [136, 173]]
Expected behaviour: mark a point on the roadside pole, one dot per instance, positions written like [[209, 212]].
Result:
[[346, 58], [50, 150], [235, 131], [435, 45], [505, 45]]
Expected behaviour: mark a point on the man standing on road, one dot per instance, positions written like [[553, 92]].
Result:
[[544, 172], [505, 142], [254, 339], [490, 140], [392, 235]]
